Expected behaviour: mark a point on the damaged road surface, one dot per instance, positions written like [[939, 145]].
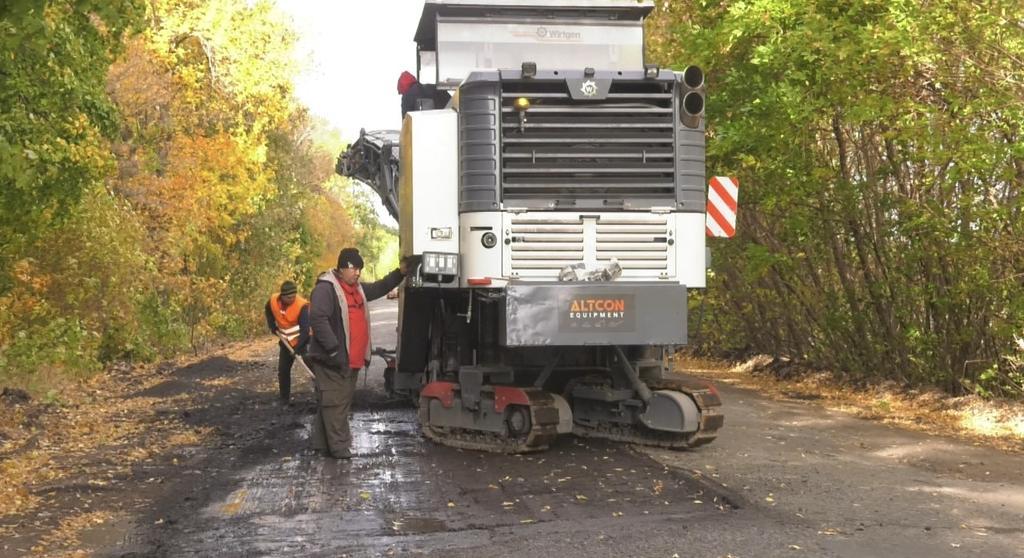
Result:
[[401, 494], [264, 495], [785, 478]]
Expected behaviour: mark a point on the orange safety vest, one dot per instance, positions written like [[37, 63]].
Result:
[[288, 318]]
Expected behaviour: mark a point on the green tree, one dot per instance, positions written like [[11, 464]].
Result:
[[55, 118], [877, 147]]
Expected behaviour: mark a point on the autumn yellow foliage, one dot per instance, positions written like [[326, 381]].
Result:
[[178, 201]]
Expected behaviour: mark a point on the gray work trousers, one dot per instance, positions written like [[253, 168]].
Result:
[[334, 392]]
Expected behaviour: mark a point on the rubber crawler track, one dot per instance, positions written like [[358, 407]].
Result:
[[544, 422], [711, 420], [543, 431]]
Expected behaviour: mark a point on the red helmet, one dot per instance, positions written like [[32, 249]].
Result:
[[405, 81]]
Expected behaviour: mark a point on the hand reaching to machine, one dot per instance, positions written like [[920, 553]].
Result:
[[409, 263]]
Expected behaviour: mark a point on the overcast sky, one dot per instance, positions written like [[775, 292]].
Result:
[[353, 53]]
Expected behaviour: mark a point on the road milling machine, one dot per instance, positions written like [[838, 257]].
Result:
[[557, 207]]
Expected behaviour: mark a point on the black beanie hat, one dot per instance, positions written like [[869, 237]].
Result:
[[288, 288], [349, 257]]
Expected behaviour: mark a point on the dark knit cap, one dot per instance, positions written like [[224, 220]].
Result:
[[349, 257], [288, 288]]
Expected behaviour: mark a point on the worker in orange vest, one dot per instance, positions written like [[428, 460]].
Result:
[[288, 317]]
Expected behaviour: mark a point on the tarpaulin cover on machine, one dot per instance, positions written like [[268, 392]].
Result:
[[592, 313]]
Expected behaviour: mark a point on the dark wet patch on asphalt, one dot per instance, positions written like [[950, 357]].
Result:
[[182, 380], [253, 491], [402, 493]]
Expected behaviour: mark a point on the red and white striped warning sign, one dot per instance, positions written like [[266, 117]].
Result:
[[723, 195]]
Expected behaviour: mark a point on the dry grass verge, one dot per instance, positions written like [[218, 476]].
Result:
[[995, 423]]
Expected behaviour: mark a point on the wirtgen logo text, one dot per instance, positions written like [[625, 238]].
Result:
[[545, 33]]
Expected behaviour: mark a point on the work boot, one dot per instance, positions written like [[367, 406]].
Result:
[[343, 454]]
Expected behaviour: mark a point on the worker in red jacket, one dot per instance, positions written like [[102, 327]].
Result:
[[287, 316], [341, 345], [413, 92]]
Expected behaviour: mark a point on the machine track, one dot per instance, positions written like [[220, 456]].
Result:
[[544, 422], [711, 420], [543, 431]]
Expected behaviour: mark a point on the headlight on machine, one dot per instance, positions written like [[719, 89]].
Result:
[[438, 263]]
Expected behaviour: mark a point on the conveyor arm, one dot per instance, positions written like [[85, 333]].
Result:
[[373, 160]]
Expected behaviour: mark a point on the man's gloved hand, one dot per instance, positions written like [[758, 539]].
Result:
[[409, 264]]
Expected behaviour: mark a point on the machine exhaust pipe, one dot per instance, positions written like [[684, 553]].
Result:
[[692, 110], [692, 97], [693, 77]]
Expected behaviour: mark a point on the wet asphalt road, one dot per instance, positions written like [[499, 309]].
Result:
[[784, 479]]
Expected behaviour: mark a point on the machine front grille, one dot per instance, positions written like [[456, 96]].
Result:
[[546, 244], [541, 245], [620, 147], [637, 243]]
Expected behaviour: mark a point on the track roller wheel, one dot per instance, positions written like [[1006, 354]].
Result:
[[517, 419]]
